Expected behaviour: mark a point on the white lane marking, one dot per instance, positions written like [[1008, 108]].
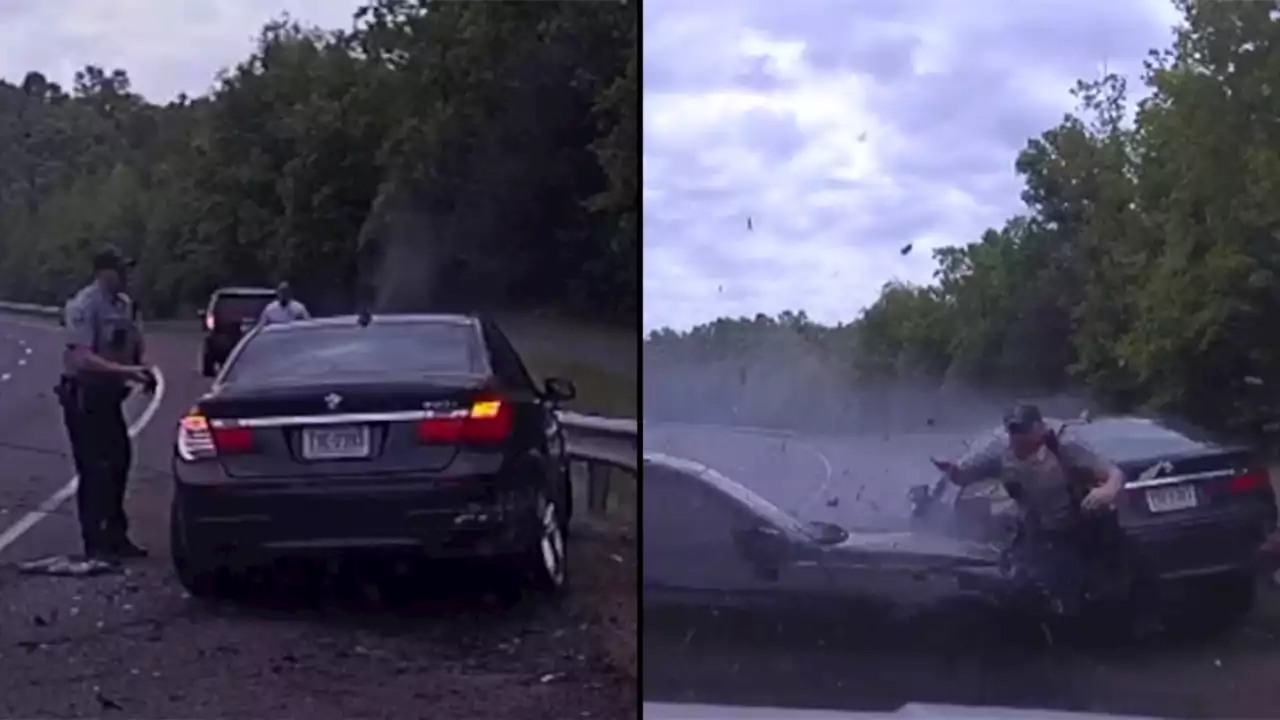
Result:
[[826, 481], [22, 361], [54, 501], [5, 376], [26, 350]]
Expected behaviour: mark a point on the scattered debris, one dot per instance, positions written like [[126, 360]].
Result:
[[105, 702], [906, 249], [66, 566]]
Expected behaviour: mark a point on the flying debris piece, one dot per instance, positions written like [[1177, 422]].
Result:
[[749, 225], [906, 248], [862, 137]]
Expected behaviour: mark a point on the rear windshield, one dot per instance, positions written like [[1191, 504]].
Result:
[[237, 308], [1133, 439], [290, 355]]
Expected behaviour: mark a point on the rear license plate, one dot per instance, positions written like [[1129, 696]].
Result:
[[1168, 499], [335, 442]]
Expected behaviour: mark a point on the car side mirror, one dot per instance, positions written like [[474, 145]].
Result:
[[920, 497], [559, 389], [200, 314]]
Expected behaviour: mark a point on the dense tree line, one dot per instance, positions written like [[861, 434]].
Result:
[[468, 154], [1143, 269]]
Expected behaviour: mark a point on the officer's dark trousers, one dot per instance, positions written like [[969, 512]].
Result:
[[101, 450]]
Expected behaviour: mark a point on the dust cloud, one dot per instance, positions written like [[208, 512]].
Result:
[[790, 383], [874, 439]]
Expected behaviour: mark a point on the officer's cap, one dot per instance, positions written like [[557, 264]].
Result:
[[1022, 417], [110, 258]]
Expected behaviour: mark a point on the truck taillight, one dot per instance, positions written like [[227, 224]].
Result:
[[198, 439], [488, 420]]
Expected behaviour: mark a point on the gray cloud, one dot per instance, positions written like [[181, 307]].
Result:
[[167, 47], [845, 131]]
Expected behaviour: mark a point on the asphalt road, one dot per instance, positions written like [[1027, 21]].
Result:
[[945, 659], [133, 645]]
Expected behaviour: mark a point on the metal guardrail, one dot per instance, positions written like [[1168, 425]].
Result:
[[601, 445], [29, 309], [602, 448]]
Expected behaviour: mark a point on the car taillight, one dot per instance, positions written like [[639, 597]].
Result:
[[198, 439], [1255, 479], [208, 322], [488, 420]]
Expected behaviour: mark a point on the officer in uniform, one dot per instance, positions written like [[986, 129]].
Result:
[[103, 355]]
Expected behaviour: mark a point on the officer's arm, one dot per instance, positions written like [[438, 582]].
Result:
[[1104, 472], [302, 312], [79, 334], [982, 465]]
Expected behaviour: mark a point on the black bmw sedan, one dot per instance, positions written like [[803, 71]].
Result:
[[416, 434]]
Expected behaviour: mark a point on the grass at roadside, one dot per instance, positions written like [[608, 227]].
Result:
[[599, 392]]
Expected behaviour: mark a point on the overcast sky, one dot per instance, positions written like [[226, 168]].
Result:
[[843, 130], [167, 46]]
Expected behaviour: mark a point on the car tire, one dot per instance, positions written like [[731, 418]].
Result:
[[1222, 603], [198, 575], [544, 566]]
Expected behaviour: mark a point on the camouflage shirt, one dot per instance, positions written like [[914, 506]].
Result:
[[1046, 476]]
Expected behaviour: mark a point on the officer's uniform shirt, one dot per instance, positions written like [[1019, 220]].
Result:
[[105, 323], [1045, 476]]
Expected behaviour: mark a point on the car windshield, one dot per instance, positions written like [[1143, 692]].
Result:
[[237, 308], [394, 350], [759, 507]]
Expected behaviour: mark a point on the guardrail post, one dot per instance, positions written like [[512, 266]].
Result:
[[598, 476]]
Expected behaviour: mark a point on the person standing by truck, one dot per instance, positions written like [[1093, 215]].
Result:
[[284, 309]]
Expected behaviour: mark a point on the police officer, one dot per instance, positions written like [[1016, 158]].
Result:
[[103, 355], [1056, 483]]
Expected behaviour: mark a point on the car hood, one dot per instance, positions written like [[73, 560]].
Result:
[[913, 550], [681, 711]]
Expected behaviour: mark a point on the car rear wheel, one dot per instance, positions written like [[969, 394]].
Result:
[[1219, 604], [198, 575], [545, 564]]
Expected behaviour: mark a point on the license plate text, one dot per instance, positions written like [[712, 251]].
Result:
[[336, 442], [1169, 499]]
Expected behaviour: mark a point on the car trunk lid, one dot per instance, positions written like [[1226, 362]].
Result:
[[1200, 483], [377, 428]]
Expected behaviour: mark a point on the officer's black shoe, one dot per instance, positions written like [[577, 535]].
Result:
[[125, 549], [98, 555]]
